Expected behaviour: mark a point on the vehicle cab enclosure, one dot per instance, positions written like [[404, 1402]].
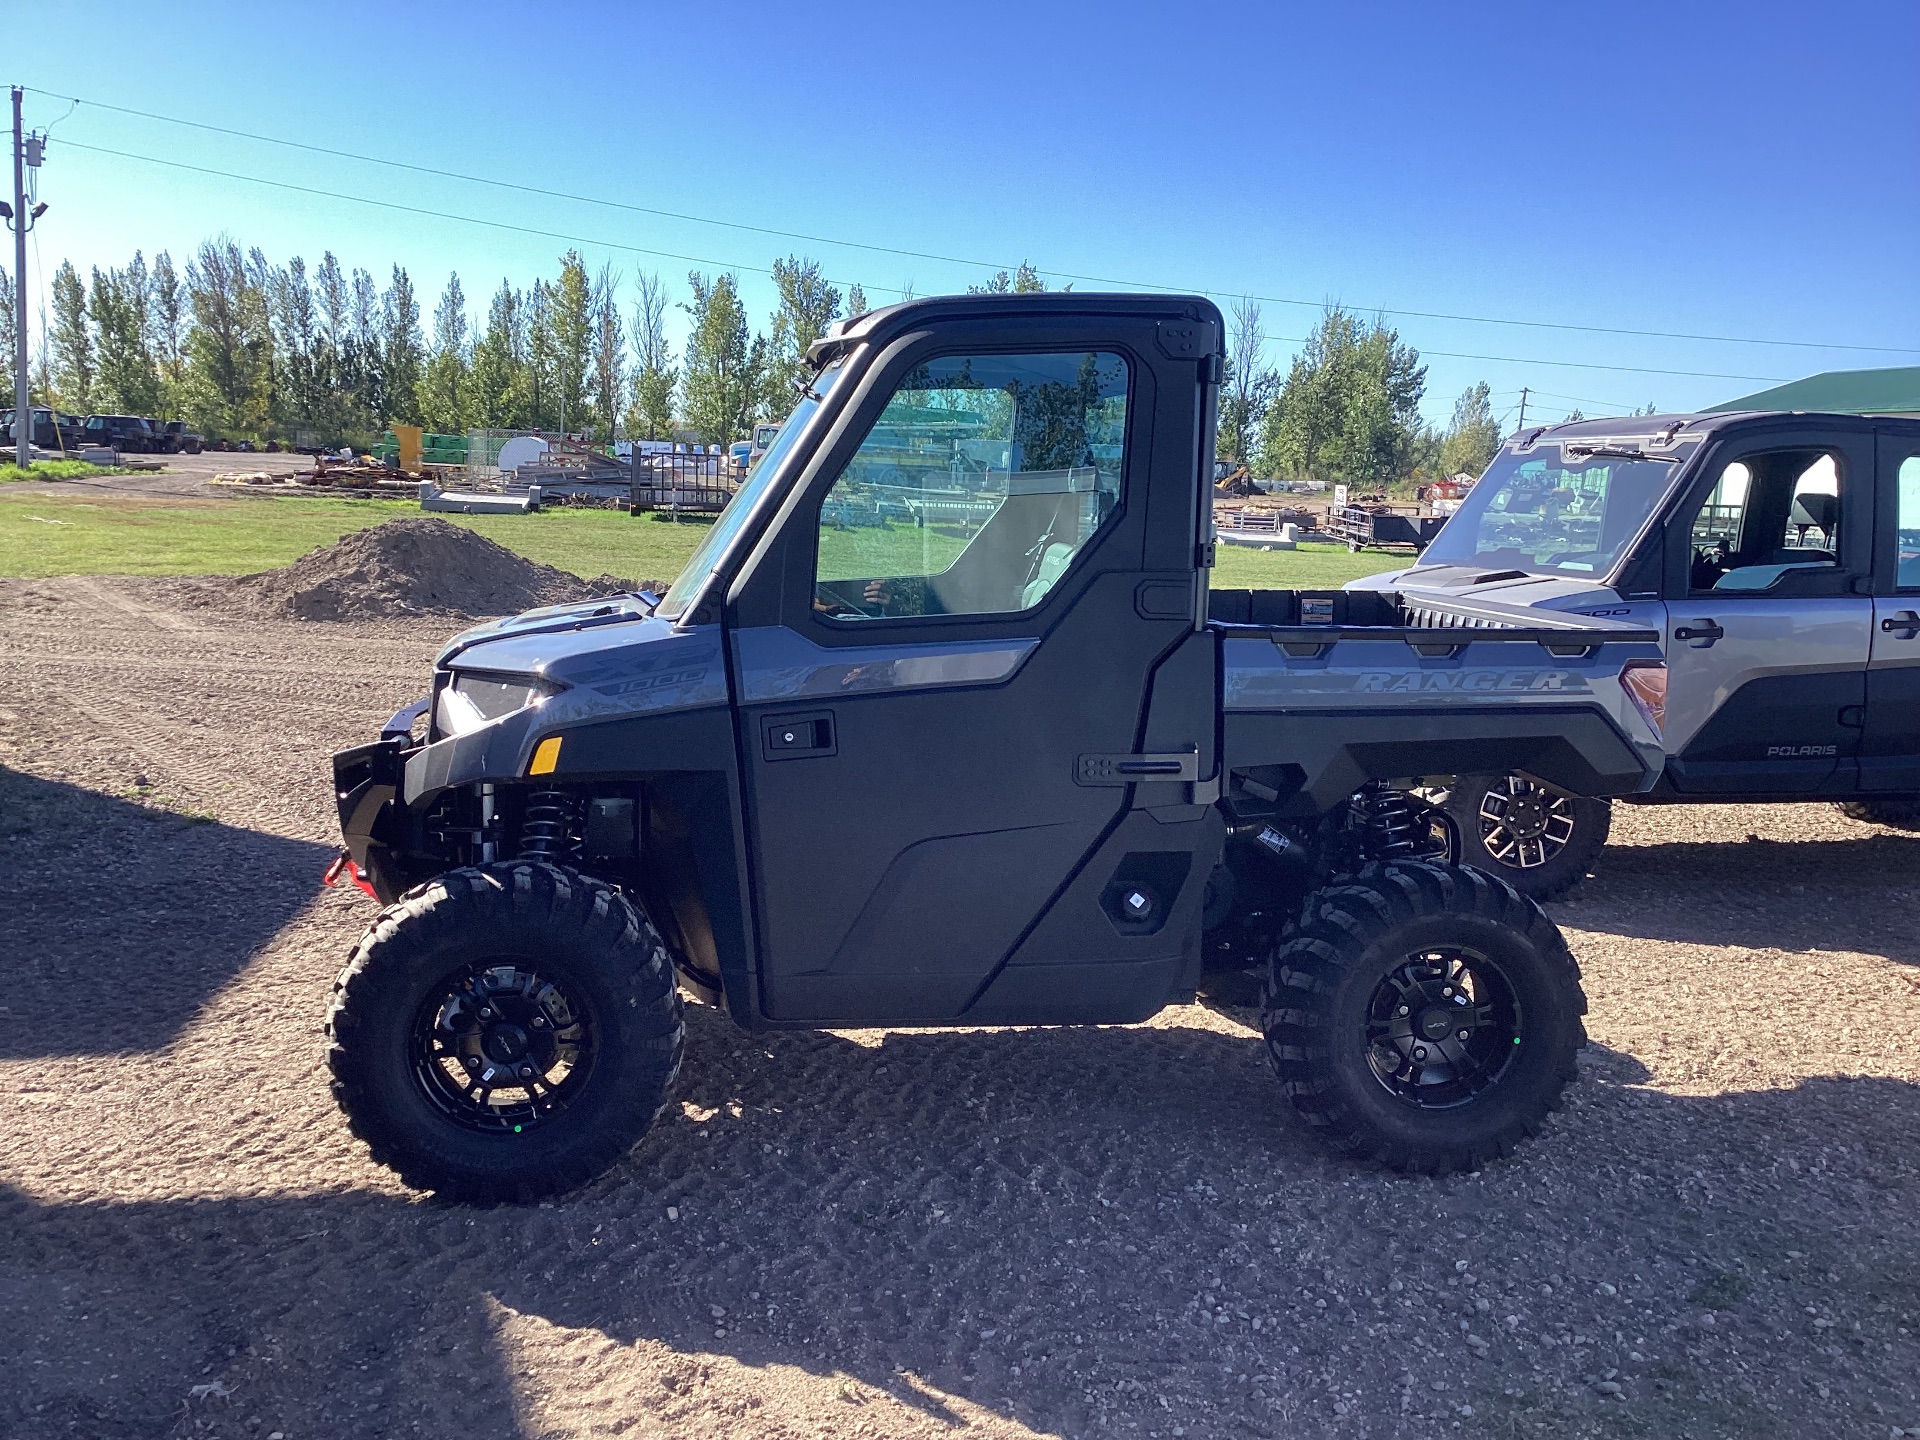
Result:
[[1777, 554], [933, 726], [867, 759]]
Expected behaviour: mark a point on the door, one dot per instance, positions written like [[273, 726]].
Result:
[[976, 590], [1890, 750], [1768, 619]]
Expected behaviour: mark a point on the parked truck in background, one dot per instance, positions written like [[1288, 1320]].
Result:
[[1777, 556], [133, 433], [52, 429]]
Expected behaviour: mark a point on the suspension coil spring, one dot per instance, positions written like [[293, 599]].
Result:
[[547, 830], [1387, 821]]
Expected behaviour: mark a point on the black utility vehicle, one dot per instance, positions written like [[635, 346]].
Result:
[[121, 432], [174, 438], [941, 725]]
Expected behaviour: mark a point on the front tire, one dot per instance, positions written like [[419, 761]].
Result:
[[1539, 841], [505, 1033], [1423, 1016]]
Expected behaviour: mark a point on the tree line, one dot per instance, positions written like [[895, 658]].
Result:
[[1347, 408], [245, 349], [242, 348]]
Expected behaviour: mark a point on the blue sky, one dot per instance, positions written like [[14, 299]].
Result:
[[1733, 170]]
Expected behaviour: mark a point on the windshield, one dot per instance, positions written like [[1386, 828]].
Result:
[[1549, 513], [745, 500]]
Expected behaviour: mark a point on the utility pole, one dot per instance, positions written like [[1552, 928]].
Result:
[[22, 411], [1523, 411]]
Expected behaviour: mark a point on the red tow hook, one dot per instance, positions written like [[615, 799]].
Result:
[[343, 866]]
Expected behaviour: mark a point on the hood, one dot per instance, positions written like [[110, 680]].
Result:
[[620, 667], [551, 619], [1457, 582]]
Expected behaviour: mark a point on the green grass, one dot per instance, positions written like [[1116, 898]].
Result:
[[128, 535], [1311, 567], [872, 550], [125, 535], [55, 470]]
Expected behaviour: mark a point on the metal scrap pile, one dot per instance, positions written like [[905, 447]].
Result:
[[571, 472]]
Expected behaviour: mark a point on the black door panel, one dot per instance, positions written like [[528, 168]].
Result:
[[1778, 733], [970, 789]]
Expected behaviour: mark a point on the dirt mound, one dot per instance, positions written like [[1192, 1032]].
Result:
[[418, 566]]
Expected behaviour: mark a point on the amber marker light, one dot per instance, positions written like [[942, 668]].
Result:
[[546, 754], [1645, 682]]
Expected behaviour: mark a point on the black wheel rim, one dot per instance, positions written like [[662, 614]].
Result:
[[1442, 1028], [500, 1049], [1524, 825]]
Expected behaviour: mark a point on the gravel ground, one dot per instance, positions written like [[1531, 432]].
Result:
[[190, 475], [1081, 1232]]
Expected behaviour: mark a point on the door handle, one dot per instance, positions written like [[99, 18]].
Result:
[[1703, 631], [795, 737], [1905, 625]]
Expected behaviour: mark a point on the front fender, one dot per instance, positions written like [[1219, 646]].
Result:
[[373, 825]]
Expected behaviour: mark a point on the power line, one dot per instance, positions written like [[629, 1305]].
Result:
[[436, 214], [951, 259], [763, 270], [1585, 400]]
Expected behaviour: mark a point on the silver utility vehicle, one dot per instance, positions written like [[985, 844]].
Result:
[[1778, 555]]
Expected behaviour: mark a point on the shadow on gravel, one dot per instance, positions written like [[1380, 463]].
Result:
[[1825, 894], [124, 916], [1025, 1199]]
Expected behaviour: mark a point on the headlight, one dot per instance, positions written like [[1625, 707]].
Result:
[[469, 700]]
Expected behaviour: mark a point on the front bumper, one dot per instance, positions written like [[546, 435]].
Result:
[[366, 788]]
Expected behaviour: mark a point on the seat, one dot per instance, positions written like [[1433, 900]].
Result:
[[1815, 511], [1053, 564]]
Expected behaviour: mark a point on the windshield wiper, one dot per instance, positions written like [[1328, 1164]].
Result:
[[1616, 452]]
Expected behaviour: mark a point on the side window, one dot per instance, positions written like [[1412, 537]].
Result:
[[1907, 526], [982, 481], [1716, 529], [1768, 517]]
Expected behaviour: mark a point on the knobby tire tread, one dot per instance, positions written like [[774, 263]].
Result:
[[1336, 925], [445, 908]]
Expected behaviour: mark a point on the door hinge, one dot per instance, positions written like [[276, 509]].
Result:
[[1187, 339], [1205, 553], [1178, 767], [1130, 769]]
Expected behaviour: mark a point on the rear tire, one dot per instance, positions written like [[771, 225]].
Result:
[[1368, 996], [1894, 814], [505, 1033], [1539, 841]]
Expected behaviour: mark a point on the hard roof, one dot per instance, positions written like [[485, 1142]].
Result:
[[1891, 391], [1688, 429]]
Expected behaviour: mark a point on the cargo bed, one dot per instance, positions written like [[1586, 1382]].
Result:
[[1324, 691]]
